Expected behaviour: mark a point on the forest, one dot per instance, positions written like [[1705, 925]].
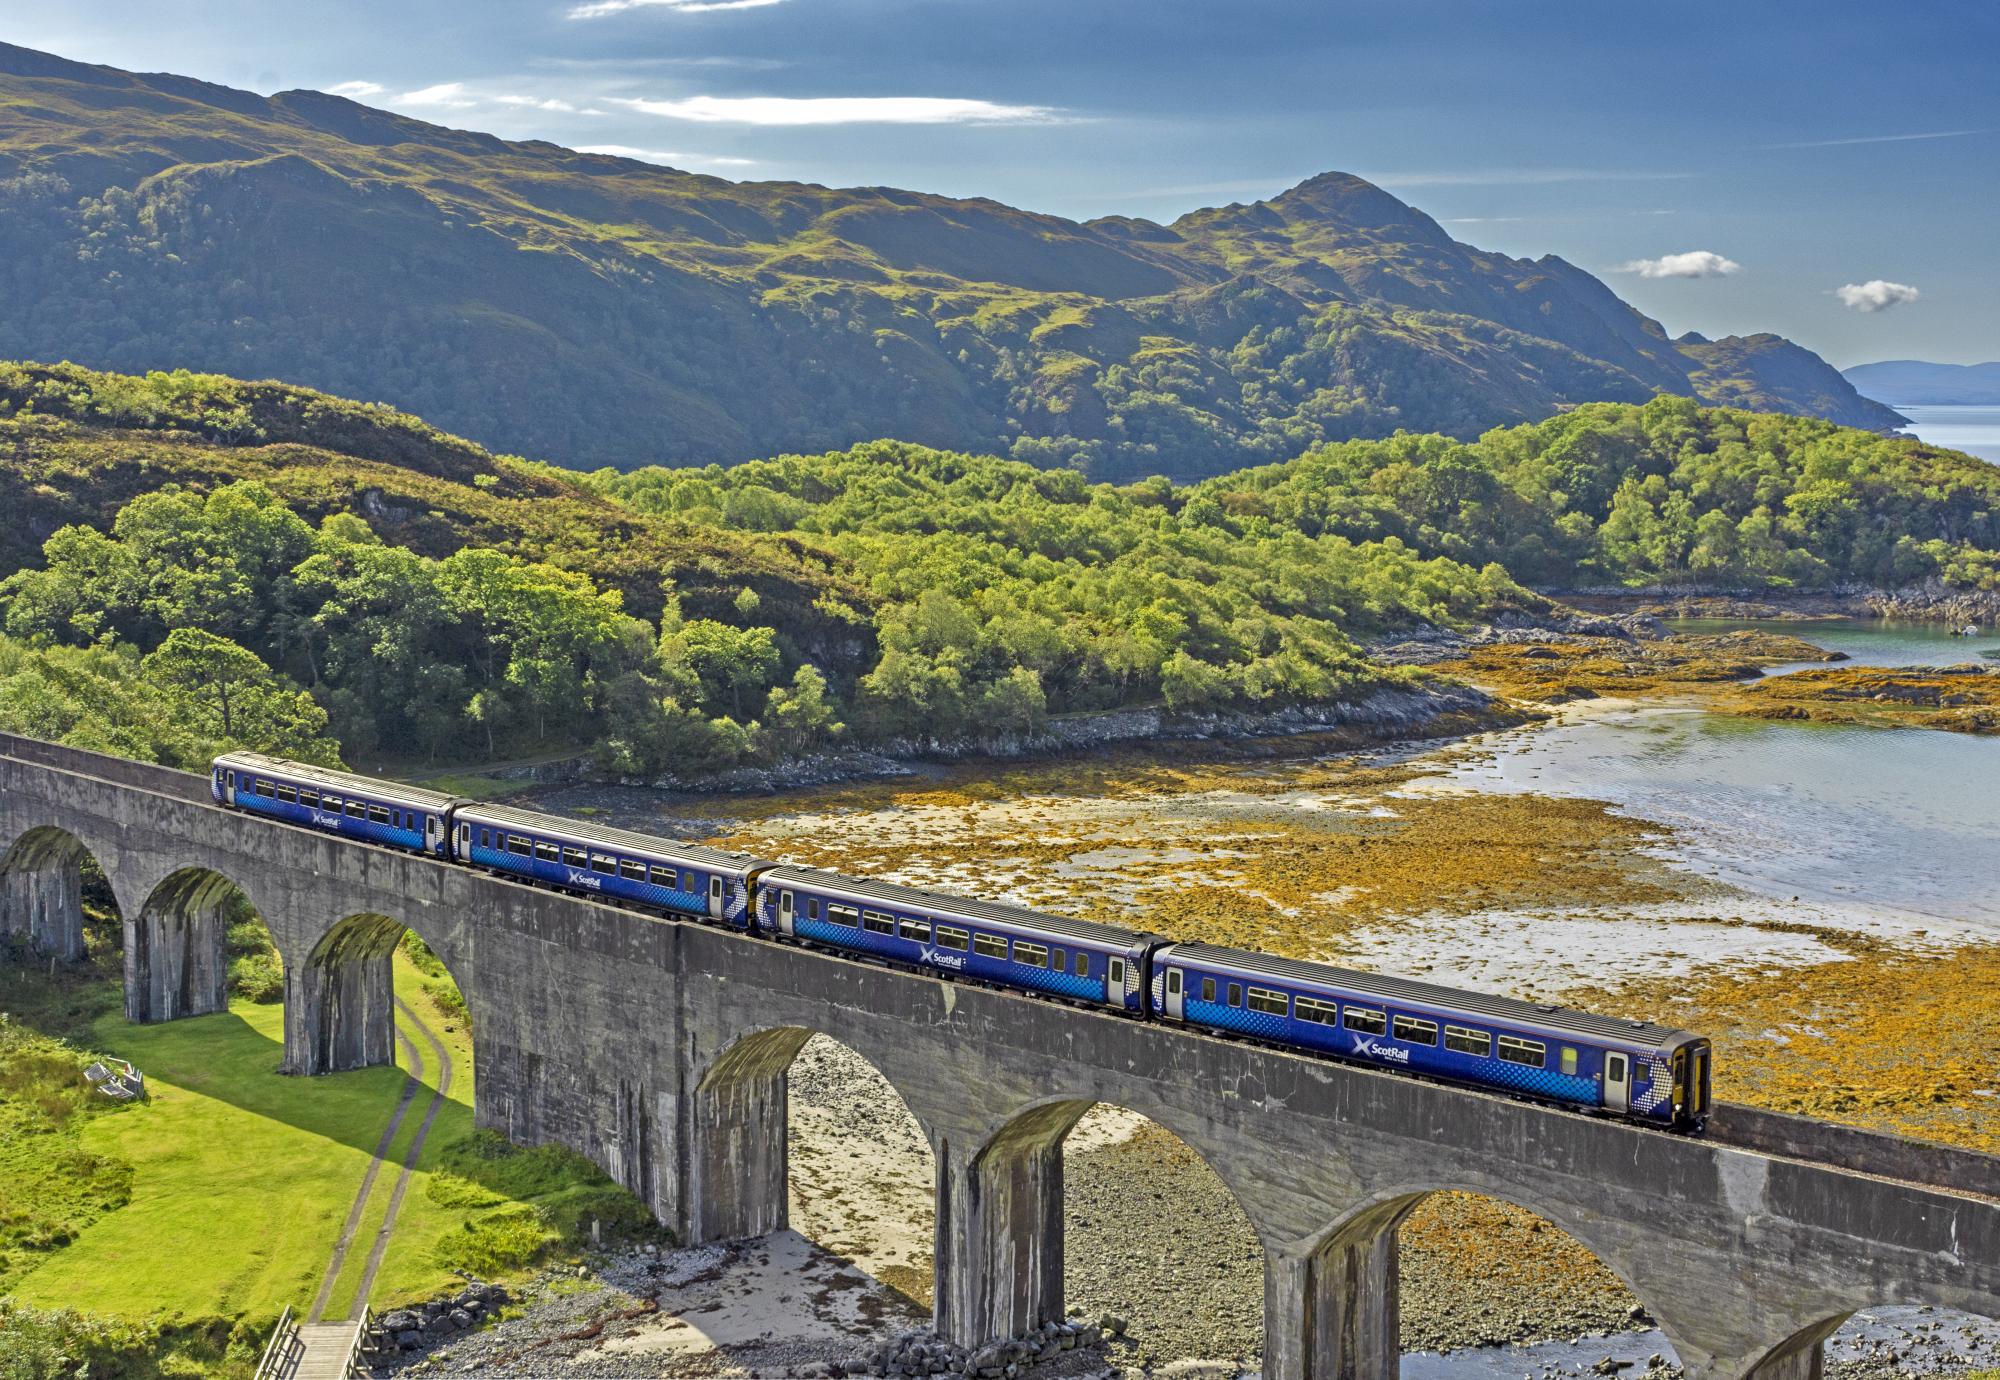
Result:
[[250, 583]]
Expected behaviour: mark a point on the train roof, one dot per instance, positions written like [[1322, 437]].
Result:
[[1536, 1016], [625, 840], [961, 907], [327, 776]]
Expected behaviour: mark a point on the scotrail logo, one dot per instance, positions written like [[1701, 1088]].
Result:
[[577, 878], [323, 820], [942, 960], [1364, 1044]]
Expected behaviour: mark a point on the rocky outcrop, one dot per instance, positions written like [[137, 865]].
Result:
[[1397, 712], [404, 1332]]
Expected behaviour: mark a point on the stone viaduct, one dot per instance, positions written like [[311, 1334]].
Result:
[[660, 1050]]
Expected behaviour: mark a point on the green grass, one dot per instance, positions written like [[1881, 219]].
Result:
[[223, 1195]]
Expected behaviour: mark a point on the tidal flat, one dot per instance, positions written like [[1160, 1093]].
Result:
[[1434, 860]]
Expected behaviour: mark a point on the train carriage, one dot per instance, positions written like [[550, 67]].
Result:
[[334, 802], [1628, 1068], [686, 878], [987, 941], [1647, 1073]]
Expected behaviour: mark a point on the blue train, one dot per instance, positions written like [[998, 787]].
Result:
[[1632, 1069]]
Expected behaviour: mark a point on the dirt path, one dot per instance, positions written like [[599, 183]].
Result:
[[413, 1061], [361, 1195]]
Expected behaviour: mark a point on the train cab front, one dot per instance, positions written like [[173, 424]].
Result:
[[1692, 1063]]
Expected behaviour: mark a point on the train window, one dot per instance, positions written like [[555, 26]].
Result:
[[953, 938], [1236, 994], [1462, 1041], [485, 838], [919, 930], [267, 789], [1412, 1031], [1034, 955], [1569, 1061], [604, 863], [1516, 1050], [1058, 960], [1317, 1011], [1079, 965], [519, 846], [1366, 1020], [575, 857], [547, 852], [1208, 989], [631, 871], [989, 946], [1269, 1002], [661, 876], [875, 922], [378, 814], [309, 799], [357, 809], [842, 915], [332, 804], [812, 907], [288, 794]]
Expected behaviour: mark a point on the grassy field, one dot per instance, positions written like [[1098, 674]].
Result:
[[218, 1200]]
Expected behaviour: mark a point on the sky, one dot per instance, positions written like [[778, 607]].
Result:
[[1827, 171]]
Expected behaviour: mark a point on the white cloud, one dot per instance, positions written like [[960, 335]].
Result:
[[666, 156], [561, 107], [1880, 139], [597, 9], [1696, 263], [841, 110], [356, 90], [1877, 294], [446, 95]]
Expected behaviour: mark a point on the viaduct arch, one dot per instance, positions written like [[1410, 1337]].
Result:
[[659, 1049]]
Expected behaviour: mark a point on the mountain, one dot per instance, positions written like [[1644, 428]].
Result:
[[1920, 384], [609, 312]]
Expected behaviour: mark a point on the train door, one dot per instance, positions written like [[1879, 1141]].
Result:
[[1617, 1082], [785, 909], [433, 833], [715, 896], [229, 787], [1174, 994], [1114, 982]]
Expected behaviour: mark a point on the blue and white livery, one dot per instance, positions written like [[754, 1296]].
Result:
[[334, 802], [985, 941], [685, 878], [1631, 1068]]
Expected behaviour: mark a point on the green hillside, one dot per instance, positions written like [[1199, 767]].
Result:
[[196, 560], [599, 311]]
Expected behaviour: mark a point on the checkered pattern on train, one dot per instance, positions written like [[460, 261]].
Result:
[[1543, 1082], [345, 825], [1659, 1085], [1063, 984], [1262, 1024], [847, 937]]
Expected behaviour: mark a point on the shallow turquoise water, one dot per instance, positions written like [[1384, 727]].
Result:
[[1867, 641], [1902, 821]]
